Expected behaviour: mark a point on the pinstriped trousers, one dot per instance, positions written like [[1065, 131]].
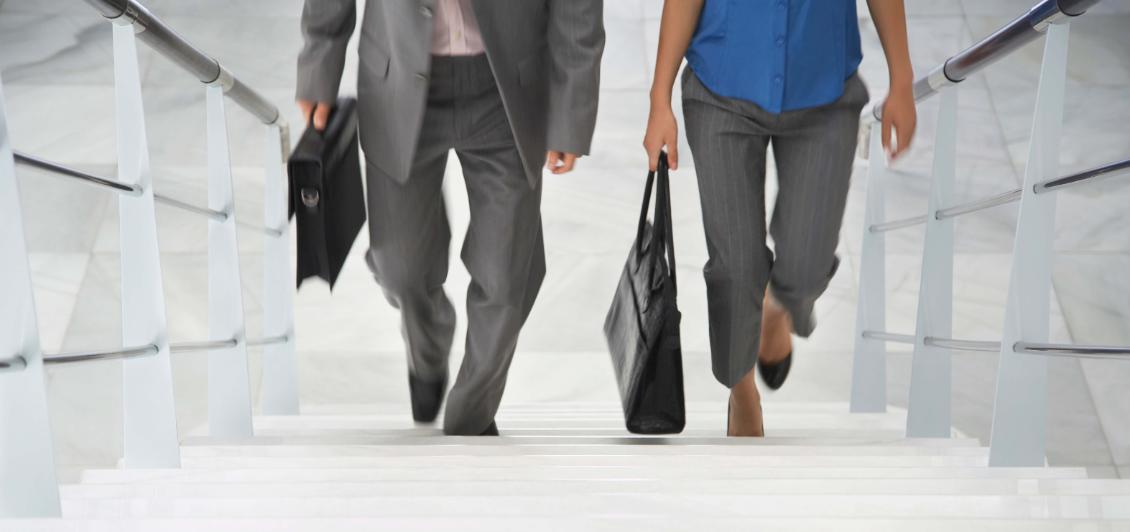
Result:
[[814, 150], [504, 251]]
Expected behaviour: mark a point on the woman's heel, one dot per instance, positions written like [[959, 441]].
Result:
[[730, 415]]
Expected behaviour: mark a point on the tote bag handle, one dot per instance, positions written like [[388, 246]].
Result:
[[664, 236]]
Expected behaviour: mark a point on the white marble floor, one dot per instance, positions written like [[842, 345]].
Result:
[[56, 68]]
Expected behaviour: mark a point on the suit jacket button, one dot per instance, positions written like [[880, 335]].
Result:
[[426, 11]]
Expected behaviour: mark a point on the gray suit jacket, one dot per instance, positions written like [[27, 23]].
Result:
[[545, 55]]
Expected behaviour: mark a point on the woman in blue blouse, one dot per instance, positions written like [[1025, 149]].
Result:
[[778, 73]]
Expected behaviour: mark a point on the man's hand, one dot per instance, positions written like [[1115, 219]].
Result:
[[560, 162], [899, 113], [662, 132], [320, 111]]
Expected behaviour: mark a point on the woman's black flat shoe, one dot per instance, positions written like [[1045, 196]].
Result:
[[775, 374]]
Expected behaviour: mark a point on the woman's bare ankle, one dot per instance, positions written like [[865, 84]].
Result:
[[776, 340], [745, 409]]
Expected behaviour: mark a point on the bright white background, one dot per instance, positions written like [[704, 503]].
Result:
[[56, 66]]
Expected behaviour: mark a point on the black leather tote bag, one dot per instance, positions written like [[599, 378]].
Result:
[[642, 327], [326, 194]]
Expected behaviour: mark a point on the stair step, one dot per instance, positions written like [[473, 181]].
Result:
[[520, 455], [622, 484], [582, 421], [433, 437], [566, 466], [619, 504], [442, 473], [557, 524], [512, 461], [555, 448], [693, 408], [617, 434]]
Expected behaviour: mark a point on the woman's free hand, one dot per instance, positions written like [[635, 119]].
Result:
[[899, 114]]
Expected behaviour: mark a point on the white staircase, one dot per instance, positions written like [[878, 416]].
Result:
[[557, 466], [571, 466]]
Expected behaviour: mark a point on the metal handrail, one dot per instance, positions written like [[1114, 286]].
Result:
[[90, 356], [1003, 198], [962, 345], [897, 224], [1067, 350], [58, 169], [13, 364], [1022, 30], [255, 227], [1012, 196], [1034, 348], [889, 337], [1108, 170], [219, 216], [88, 178], [259, 342], [149, 432], [171, 45], [208, 345]]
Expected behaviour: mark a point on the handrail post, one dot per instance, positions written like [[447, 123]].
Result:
[[149, 414], [28, 486], [869, 366], [928, 411], [1020, 411], [229, 386], [279, 387]]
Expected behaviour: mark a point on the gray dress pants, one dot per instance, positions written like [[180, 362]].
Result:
[[814, 149], [503, 250]]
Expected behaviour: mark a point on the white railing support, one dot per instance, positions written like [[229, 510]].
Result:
[[149, 415], [229, 387], [1020, 412], [279, 388], [869, 365], [27, 458], [928, 411]]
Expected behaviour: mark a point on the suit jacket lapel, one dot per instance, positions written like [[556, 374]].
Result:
[[484, 11]]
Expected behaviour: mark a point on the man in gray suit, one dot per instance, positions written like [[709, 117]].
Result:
[[510, 85]]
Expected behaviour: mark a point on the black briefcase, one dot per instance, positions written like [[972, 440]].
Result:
[[326, 194], [642, 327]]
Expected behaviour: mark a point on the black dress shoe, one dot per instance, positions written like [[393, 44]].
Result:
[[775, 374], [426, 397], [491, 430]]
